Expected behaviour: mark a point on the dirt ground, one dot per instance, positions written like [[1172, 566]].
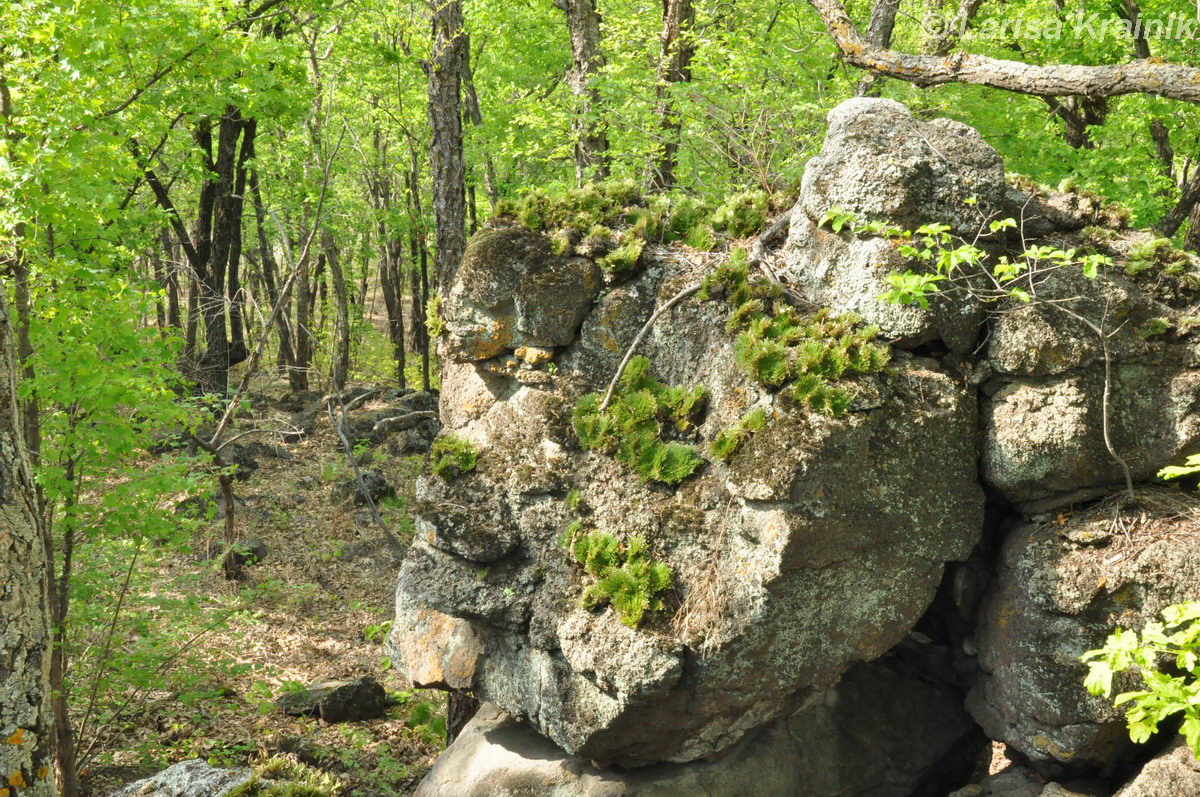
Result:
[[316, 607]]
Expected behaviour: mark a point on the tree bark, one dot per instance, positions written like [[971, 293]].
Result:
[[341, 327], [25, 643], [879, 33], [1192, 241], [675, 67], [445, 71], [1136, 77], [587, 59]]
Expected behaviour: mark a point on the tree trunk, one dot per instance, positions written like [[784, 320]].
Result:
[[213, 248], [341, 331], [879, 33], [270, 271], [1191, 241], [25, 715], [674, 68], [591, 134], [445, 70]]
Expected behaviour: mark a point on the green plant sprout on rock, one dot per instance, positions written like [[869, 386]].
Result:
[[632, 427], [625, 577], [729, 440], [802, 356], [451, 456], [961, 263], [1174, 642]]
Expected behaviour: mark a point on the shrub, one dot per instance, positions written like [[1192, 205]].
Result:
[[1172, 645], [451, 456]]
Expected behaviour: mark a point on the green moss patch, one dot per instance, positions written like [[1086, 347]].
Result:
[[634, 426], [451, 456], [624, 576], [613, 222], [803, 356], [729, 440], [280, 776], [742, 214], [1158, 256]]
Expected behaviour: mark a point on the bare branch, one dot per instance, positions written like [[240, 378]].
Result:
[[1136, 77]]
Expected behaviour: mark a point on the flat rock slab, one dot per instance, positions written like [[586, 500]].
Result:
[[337, 701], [192, 778]]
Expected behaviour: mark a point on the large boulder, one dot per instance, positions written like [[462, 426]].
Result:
[[880, 163], [1044, 412], [1063, 585], [791, 561], [884, 731], [512, 291]]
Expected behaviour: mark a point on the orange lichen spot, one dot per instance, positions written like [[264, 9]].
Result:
[[4, 792], [17, 780], [42, 772], [1100, 582], [17, 737]]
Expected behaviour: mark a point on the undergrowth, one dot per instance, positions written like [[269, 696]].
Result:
[[280, 776], [802, 356], [625, 577], [1160, 256], [633, 425]]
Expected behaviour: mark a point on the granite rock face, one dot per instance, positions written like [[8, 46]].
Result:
[[192, 778], [1043, 412], [817, 547], [817, 562], [880, 163], [512, 291], [884, 731], [1173, 772], [1061, 589]]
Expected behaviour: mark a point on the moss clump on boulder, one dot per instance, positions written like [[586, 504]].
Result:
[[802, 356], [451, 456], [633, 425], [625, 577]]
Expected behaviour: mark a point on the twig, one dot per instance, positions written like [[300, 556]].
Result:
[[112, 630], [1112, 451]]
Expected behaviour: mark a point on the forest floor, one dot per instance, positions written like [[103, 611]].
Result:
[[315, 608]]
